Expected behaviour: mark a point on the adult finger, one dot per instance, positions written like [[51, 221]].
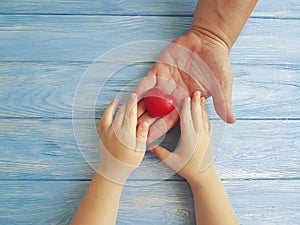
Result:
[[222, 101], [162, 126], [146, 83], [146, 118]]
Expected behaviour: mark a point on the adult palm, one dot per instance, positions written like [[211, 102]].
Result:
[[191, 62]]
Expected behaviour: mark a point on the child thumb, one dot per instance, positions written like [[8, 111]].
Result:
[[160, 152]]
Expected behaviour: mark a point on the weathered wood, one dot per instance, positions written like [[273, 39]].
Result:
[[46, 90], [46, 46], [46, 149], [52, 202], [277, 8], [84, 38]]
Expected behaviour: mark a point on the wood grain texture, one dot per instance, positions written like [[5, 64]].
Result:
[[46, 90], [46, 149], [46, 46], [279, 9], [84, 38], [255, 202]]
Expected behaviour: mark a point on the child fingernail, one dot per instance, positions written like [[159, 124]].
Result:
[[197, 94], [188, 100], [145, 125]]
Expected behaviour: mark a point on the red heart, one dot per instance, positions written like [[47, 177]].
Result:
[[157, 103]]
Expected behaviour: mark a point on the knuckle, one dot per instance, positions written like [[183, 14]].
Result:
[[141, 135]]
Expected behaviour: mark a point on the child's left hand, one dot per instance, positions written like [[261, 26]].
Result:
[[123, 144]]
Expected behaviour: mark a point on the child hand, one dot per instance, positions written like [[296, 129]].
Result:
[[123, 144], [195, 154]]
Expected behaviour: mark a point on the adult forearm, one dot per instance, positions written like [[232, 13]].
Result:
[[100, 203], [222, 20], [212, 205]]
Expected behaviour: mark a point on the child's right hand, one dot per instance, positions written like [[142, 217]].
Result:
[[195, 154], [123, 143]]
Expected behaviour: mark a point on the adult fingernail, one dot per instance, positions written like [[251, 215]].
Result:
[[197, 94], [188, 100]]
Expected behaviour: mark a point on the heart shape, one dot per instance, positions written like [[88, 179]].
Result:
[[158, 104]]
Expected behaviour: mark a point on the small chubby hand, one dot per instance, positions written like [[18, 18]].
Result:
[[123, 143], [194, 154]]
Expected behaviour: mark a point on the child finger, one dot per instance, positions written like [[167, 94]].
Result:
[[205, 121], [141, 136], [186, 117], [171, 159], [108, 114], [196, 111], [130, 117], [118, 121]]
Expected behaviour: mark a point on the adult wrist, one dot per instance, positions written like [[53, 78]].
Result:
[[209, 22], [222, 20]]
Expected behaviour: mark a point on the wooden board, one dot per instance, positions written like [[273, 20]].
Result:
[[54, 202], [45, 48], [279, 9], [84, 38], [47, 90], [46, 149]]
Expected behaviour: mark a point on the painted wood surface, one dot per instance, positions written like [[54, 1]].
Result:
[[45, 48], [51, 202], [46, 90], [267, 8], [85, 38], [46, 149]]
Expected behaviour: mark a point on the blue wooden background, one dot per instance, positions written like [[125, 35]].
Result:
[[45, 47]]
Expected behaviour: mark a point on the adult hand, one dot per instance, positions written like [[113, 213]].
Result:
[[193, 61]]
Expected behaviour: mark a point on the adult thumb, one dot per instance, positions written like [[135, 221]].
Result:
[[222, 95], [223, 107]]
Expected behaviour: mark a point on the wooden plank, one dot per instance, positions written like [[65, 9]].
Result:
[[47, 90], [46, 149], [281, 9], [84, 38], [255, 202]]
